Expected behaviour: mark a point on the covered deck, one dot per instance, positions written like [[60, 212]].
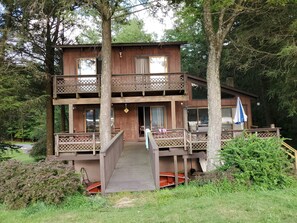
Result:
[[74, 86]]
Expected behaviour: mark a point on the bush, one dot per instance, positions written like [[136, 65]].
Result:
[[38, 151], [258, 162], [25, 184]]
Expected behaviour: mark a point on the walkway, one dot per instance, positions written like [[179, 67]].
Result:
[[133, 171]]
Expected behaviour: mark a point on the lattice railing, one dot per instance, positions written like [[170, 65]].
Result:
[[198, 140], [73, 84], [66, 84], [169, 138], [77, 142]]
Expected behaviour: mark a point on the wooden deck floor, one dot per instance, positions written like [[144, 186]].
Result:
[[133, 171]]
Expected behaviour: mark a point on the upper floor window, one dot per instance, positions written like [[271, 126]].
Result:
[[89, 66], [152, 64]]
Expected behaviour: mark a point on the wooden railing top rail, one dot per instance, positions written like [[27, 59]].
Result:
[[105, 149], [127, 74], [152, 141], [76, 76], [245, 130], [77, 134]]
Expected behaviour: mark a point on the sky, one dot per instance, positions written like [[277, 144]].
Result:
[[153, 24]]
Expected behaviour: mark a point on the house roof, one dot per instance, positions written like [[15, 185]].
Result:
[[224, 88], [160, 44]]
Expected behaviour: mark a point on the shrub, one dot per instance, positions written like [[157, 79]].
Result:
[[38, 151], [258, 162], [25, 184]]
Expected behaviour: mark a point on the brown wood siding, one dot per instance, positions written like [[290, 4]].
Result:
[[126, 63]]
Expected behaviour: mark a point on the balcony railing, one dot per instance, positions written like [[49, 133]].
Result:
[[180, 138], [77, 142], [121, 83]]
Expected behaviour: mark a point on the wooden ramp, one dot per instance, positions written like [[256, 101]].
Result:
[[133, 171]]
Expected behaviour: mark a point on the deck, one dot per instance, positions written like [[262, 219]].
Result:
[[73, 86], [130, 167]]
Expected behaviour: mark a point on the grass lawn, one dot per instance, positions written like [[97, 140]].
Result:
[[21, 156], [184, 204]]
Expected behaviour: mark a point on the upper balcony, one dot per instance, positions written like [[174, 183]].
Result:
[[123, 85]]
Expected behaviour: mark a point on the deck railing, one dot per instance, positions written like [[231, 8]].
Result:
[[166, 138], [77, 142], [109, 157], [73, 84], [181, 138], [121, 83], [154, 159]]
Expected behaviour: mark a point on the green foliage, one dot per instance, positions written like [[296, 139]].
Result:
[[131, 32], [7, 149], [25, 184], [257, 162], [38, 151]]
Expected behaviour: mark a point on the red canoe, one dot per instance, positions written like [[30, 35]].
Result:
[[167, 179], [94, 188]]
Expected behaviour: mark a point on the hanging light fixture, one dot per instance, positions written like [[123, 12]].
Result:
[[126, 110]]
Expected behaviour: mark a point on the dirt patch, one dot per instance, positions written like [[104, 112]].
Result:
[[125, 202]]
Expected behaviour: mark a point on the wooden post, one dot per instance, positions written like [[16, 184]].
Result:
[[102, 173], [175, 170], [185, 84], [277, 132], [185, 139], [55, 87], [57, 145], [190, 143], [70, 113], [157, 169], [94, 144], [143, 82], [186, 169], [173, 115]]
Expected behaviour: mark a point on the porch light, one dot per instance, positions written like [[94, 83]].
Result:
[[121, 54], [126, 110]]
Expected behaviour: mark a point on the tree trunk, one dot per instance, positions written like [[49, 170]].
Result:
[[105, 109], [50, 70], [214, 108]]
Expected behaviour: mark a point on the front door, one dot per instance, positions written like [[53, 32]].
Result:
[[151, 117]]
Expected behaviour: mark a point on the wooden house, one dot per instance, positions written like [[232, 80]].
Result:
[[149, 91]]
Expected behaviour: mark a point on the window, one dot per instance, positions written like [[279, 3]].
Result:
[[200, 116], [92, 119], [85, 68], [151, 64]]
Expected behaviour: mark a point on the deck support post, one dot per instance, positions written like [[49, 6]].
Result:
[[173, 115], [186, 169], [175, 170], [70, 113]]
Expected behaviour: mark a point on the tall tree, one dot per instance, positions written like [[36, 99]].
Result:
[[218, 18]]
